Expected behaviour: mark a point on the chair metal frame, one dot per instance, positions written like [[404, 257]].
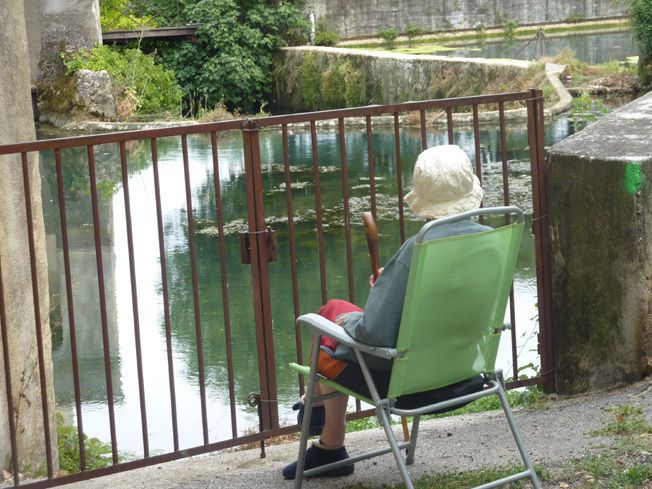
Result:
[[320, 326]]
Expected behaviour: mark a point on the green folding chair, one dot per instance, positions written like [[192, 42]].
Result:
[[450, 329]]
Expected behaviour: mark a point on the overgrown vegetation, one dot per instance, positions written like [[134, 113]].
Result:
[[230, 61], [325, 35], [97, 453], [641, 13], [339, 84], [388, 36], [140, 84], [509, 29], [613, 75], [412, 32], [587, 109], [318, 82]]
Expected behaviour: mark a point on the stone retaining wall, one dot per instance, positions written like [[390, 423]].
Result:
[[309, 78], [363, 18], [317, 78], [599, 187]]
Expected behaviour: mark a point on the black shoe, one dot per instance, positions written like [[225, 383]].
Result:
[[316, 457], [317, 419]]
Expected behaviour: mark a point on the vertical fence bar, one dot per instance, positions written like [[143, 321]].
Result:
[[506, 201], [166, 296], [449, 125], [320, 227], [134, 298], [71, 309], [37, 314], [102, 295], [8, 387], [293, 251], [478, 154], [195, 289], [224, 283], [260, 277], [399, 176], [540, 226], [424, 138], [372, 168], [347, 209], [476, 139]]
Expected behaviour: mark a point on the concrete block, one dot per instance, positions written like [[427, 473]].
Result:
[[599, 187]]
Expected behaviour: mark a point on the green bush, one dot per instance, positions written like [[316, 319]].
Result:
[[230, 60], [389, 37], [138, 80], [325, 35], [411, 32], [326, 38], [641, 12], [510, 29], [98, 453]]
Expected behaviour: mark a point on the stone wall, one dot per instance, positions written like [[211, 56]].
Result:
[[599, 186], [21, 324], [65, 25], [366, 17], [310, 78]]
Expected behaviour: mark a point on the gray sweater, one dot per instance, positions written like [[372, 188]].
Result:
[[378, 325]]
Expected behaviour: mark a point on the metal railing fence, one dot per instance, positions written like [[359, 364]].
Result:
[[259, 247]]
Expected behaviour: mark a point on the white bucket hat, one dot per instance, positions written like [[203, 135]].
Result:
[[444, 183]]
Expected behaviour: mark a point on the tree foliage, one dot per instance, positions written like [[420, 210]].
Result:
[[230, 60], [641, 12], [120, 14], [148, 87]]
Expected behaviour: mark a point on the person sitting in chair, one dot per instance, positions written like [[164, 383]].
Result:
[[444, 184]]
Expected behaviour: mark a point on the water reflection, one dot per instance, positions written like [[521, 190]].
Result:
[[148, 273], [589, 48]]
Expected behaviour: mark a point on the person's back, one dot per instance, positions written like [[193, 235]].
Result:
[[444, 184]]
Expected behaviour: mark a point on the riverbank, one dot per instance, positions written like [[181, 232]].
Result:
[[466, 36], [579, 442]]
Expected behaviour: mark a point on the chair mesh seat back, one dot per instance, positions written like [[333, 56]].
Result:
[[456, 298]]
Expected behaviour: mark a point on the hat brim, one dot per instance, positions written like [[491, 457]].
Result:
[[434, 210]]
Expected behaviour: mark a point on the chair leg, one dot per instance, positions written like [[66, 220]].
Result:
[[307, 415], [517, 437], [409, 460], [384, 419]]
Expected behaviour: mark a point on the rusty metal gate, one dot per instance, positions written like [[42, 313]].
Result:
[[258, 245]]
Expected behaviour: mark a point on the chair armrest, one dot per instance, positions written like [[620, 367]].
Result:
[[319, 325]]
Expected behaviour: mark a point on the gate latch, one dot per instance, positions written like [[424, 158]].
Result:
[[270, 242]]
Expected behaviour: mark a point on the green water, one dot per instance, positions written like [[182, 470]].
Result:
[[147, 265]]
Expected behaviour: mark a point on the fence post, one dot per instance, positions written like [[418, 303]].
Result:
[[541, 239], [260, 257]]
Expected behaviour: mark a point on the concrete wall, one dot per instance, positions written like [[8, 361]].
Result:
[[367, 17], [309, 78], [599, 185], [21, 324], [66, 25]]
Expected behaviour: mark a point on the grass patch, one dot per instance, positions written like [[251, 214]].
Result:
[[462, 480], [495, 34], [626, 421], [425, 49]]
